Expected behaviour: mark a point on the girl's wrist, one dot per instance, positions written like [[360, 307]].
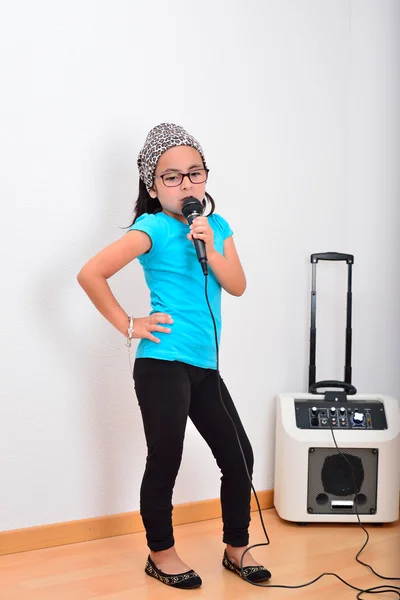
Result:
[[211, 254]]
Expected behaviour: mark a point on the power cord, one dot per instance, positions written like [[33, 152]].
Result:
[[383, 589]]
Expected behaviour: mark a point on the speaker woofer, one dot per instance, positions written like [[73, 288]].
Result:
[[339, 474]]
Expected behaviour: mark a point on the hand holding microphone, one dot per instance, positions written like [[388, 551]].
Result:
[[200, 231], [201, 228]]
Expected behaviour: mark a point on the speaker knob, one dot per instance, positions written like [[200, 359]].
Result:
[[314, 410], [332, 410], [358, 418], [342, 410]]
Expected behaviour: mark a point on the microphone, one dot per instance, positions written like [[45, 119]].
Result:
[[191, 209]]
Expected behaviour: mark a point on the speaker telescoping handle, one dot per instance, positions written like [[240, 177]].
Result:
[[349, 258], [346, 386]]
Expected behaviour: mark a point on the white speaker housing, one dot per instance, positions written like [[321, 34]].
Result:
[[292, 449]]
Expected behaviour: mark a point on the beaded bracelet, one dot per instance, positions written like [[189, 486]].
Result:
[[130, 331]]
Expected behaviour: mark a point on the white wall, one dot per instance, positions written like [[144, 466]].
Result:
[[296, 106]]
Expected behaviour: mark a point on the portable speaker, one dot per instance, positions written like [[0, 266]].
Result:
[[314, 479]]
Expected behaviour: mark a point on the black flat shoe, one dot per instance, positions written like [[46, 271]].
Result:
[[254, 574], [187, 580]]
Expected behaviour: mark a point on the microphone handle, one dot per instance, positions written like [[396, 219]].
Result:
[[199, 245]]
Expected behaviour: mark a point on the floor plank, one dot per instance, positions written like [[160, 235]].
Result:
[[112, 568]]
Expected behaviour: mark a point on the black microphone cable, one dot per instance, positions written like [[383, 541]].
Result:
[[234, 426], [383, 589]]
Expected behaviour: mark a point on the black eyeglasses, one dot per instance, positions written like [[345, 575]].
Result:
[[175, 179]]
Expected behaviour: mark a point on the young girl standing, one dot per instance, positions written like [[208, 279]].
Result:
[[175, 371]]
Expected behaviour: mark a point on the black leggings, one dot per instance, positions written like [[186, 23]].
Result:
[[168, 392]]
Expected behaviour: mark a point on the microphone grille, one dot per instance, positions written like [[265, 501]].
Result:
[[192, 205]]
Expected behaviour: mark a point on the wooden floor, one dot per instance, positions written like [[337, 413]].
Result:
[[112, 569]]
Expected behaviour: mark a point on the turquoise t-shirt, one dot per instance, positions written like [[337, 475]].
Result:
[[176, 282]]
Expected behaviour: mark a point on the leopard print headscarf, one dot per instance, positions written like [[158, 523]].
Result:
[[161, 138]]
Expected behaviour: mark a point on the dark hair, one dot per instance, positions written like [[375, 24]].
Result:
[[146, 204]]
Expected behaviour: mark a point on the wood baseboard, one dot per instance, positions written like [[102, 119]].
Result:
[[60, 534]]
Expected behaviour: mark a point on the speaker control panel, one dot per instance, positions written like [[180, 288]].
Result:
[[352, 414]]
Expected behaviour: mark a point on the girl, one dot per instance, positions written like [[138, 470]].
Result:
[[175, 371]]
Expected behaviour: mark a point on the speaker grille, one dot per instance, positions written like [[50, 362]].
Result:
[[332, 487]]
